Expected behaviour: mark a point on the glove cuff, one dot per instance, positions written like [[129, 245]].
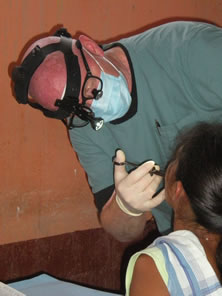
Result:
[[124, 209]]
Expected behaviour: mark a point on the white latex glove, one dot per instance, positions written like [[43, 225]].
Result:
[[136, 189]]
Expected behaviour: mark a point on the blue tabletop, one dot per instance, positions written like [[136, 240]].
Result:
[[45, 285]]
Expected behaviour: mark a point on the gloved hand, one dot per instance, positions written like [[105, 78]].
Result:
[[135, 190]]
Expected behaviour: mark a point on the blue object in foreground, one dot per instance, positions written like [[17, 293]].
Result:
[[46, 285]]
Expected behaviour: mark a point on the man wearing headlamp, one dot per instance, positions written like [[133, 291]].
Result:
[[136, 94]]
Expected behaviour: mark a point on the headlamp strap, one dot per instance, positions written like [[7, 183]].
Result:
[[69, 105], [22, 74]]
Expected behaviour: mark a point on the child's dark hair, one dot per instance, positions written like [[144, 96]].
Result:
[[199, 155]]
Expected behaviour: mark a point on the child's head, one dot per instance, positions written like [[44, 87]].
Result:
[[197, 164]]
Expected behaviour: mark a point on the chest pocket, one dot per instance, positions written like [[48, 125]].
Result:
[[168, 133]]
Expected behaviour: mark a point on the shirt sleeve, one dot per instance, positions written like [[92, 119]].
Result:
[[157, 256], [95, 153]]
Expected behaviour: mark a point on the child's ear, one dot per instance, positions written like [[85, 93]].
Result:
[[180, 197], [91, 45], [176, 188], [179, 189]]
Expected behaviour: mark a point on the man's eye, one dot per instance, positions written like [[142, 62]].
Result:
[[97, 94]]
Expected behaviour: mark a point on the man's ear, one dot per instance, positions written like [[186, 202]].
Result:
[[91, 45]]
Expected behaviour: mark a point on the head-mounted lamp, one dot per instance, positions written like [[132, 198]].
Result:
[[69, 106]]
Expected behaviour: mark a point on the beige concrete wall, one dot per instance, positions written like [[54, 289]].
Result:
[[43, 189]]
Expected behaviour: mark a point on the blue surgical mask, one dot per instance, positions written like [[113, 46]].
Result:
[[116, 98]]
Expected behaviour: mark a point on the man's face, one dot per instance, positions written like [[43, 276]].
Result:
[[91, 84]]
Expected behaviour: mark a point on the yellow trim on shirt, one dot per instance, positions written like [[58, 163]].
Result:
[[157, 257]]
